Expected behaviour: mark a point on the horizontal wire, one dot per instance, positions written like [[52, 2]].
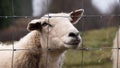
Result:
[[56, 16], [52, 49]]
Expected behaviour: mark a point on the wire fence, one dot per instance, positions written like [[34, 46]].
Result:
[[83, 47]]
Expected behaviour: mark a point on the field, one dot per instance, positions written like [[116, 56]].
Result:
[[99, 50]]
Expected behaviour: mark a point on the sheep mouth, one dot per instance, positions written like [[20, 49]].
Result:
[[73, 43]]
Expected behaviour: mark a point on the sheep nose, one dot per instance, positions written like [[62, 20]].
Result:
[[72, 34]]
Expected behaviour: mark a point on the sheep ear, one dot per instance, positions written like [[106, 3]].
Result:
[[76, 15], [34, 26]]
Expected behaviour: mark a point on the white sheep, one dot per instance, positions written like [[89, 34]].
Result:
[[116, 51], [44, 47]]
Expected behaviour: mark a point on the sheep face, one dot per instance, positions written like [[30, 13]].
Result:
[[57, 30]]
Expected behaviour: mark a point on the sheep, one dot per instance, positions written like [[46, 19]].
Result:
[[116, 51], [46, 43]]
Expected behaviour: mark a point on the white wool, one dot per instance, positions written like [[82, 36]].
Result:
[[32, 50]]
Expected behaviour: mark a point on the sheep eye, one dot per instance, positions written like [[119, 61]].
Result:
[[46, 24]]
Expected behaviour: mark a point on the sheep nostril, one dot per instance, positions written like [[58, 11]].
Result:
[[73, 34]]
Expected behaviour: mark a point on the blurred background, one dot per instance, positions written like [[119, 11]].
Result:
[[98, 26]]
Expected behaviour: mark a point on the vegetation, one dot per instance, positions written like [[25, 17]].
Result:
[[6, 10], [13, 8], [98, 55]]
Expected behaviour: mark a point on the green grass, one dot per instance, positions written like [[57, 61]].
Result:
[[98, 56]]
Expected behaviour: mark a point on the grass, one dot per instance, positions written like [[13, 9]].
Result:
[[99, 54]]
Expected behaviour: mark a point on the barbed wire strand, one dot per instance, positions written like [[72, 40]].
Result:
[[12, 66], [79, 49], [59, 16], [47, 40], [82, 52], [118, 45], [82, 47], [82, 61]]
